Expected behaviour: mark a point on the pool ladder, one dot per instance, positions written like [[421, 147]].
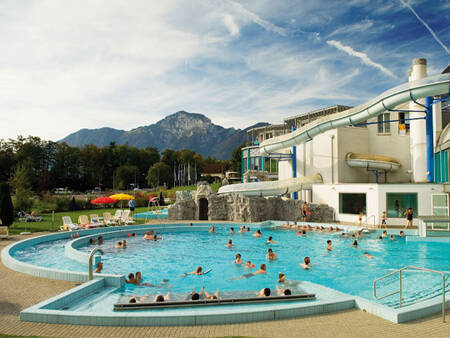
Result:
[[399, 291], [91, 261]]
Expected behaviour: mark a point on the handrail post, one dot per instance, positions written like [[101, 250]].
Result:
[[443, 298], [400, 279]]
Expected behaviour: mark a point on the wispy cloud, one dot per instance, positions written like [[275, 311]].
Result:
[[363, 56], [256, 19], [426, 25], [364, 26], [231, 25]]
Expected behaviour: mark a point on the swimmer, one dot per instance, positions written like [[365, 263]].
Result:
[[248, 229], [231, 231], [155, 237], [99, 267], [238, 259], [100, 240], [329, 245], [242, 229], [212, 230], [384, 233], [294, 226], [281, 277], [229, 244], [148, 235], [257, 233], [249, 265], [301, 233], [283, 292], [262, 270], [264, 292], [203, 294], [190, 224], [124, 244], [198, 272], [271, 241], [161, 298], [92, 241], [402, 234], [355, 243], [380, 237], [286, 225], [118, 245], [368, 255], [271, 256], [306, 263], [391, 238], [131, 279]]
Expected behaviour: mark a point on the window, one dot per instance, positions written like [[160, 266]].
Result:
[[403, 123], [352, 203], [383, 126], [398, 203]]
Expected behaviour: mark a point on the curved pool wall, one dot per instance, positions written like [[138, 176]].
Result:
[[52, 310]]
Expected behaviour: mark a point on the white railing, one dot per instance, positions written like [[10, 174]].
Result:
[[399, 291]]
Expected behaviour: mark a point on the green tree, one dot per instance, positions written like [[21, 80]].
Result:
[[236, 158], [125, 175], [159, 174], [21, 182], [6, 206]]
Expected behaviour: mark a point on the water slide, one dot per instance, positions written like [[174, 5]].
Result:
[[369, 161], [428, 86]]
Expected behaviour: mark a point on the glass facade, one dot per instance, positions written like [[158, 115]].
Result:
[[352, 203], [441, 166], [398, 203]]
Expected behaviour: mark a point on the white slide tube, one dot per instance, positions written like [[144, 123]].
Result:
[[429, 86]]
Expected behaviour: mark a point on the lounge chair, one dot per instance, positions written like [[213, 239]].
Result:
[[126, 218], [68, 225], [108, 219], [83, 220], [117, 216], [96, 220], [4, 232]]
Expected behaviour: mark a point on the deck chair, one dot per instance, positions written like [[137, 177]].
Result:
[[108, 219], [4, 234], [83, 220], [126, 218], [117, 216], [68, 225], [96, 220]]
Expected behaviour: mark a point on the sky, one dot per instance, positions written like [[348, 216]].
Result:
[[68, 65]]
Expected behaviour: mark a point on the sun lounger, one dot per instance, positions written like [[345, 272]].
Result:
[[68, 225], [209, 302], [117, 216], [108, 219], [83, 220], [126, 218], [96, 220], [4, 234]]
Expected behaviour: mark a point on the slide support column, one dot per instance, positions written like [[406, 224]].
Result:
[[294, 166], [429, 138]]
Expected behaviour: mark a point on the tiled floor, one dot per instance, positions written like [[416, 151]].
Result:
[[19, 291]]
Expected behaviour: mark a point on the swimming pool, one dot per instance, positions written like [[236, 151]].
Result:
[[156, 214], [344, 268]]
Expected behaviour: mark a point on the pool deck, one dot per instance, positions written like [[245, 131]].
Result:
[[19, 291]]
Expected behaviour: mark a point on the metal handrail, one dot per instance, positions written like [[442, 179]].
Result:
[[369, 217], [399, 271], [91, 259]]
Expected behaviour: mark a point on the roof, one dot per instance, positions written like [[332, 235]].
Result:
[[214, 168]]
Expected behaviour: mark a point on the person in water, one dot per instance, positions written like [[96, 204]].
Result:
[[301, 233], [238, 259], [402, 234], [391, 238], [368, 255], [198, 272], [242, 229], [249, 265], [271, 256], [271, 241], [212, 230], [306, 263], [283, 292], [355, 243], [257, 233], [229, 244], [149, 235], [99, 267], [231, 231], [329, 245], [264, 292], [92, 241], [262, 270], [100, 240], [161, 298]]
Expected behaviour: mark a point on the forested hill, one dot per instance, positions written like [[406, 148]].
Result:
[[181, 130]]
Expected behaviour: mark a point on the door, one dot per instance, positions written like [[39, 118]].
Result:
[[203, 209]]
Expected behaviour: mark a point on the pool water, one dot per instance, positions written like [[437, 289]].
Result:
[[344, 268], [163, 213]]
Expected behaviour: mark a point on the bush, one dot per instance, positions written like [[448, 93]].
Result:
[[6, 206]]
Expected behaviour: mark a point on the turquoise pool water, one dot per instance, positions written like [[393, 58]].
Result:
[[344, 268], [152, 214]]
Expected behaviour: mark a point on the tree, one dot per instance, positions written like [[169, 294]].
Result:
[[21, 183], [159, 174], [236, 158], [6, 206], [125, 175]]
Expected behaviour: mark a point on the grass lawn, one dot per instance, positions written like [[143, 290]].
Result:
[[53, 222]]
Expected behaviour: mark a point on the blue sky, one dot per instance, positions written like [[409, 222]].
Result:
[[67, 65]]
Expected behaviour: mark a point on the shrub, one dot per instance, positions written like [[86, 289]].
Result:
[[6, 206]]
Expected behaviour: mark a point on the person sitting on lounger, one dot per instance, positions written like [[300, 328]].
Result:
[[257, 233], [238, 259], [283, 292], [271, 256], [306, 263], [229, 244]]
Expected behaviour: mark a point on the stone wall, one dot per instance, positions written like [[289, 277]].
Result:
[[240, 208]]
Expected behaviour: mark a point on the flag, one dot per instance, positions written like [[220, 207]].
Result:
[[189, 173]]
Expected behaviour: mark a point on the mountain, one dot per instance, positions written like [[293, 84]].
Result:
[[181, 130]]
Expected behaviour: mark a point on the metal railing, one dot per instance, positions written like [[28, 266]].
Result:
[[399, 291], [369, 217]]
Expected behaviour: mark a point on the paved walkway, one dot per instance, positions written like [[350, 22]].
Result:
[[19, 291]]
